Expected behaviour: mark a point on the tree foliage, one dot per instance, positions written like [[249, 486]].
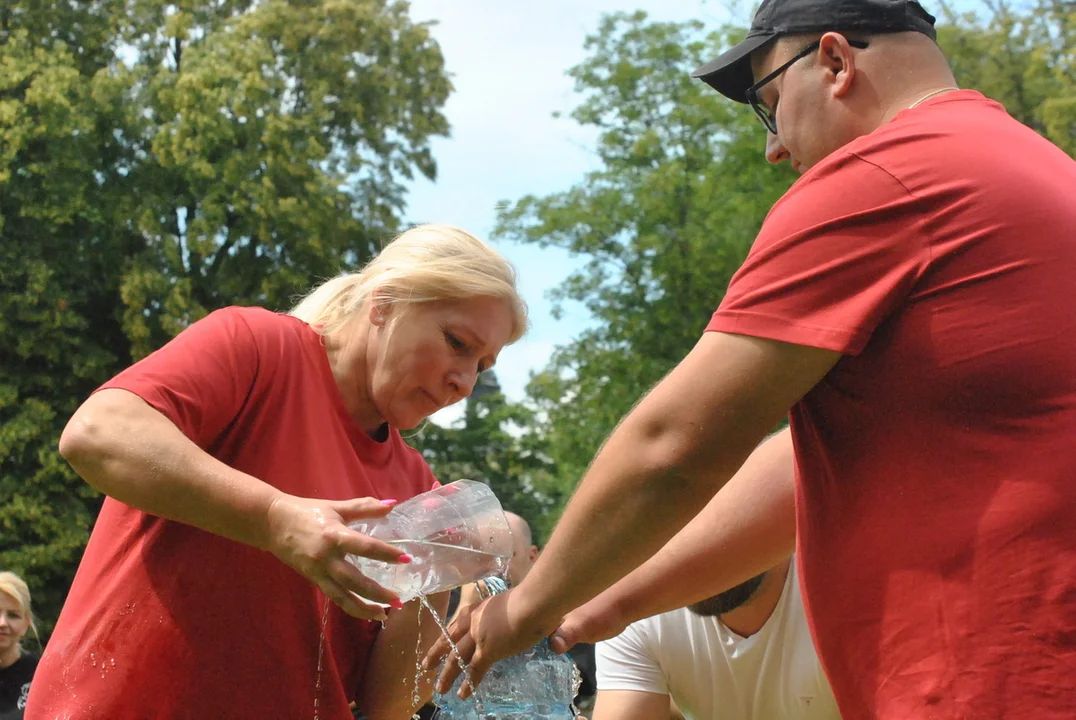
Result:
[[1023, 56], [159, 160]]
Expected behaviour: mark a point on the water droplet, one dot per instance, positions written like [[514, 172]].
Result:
[[321, 656], [416, 696], [459, 661]]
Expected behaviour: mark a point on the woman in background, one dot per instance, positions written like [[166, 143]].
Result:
[[16, 665]]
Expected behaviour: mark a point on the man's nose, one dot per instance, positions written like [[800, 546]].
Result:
[[775, 151]]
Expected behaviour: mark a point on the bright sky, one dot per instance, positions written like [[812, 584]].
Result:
[[508, 62]]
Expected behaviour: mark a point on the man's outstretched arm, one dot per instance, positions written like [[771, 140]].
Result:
[[664, 462], [746, 529]]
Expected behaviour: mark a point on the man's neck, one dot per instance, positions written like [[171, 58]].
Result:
[[749, 618]]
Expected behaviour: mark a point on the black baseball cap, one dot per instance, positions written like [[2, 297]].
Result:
[[730, 74]]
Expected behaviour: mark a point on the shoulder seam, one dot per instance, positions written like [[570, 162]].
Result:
[[927, 242], [257, 359]]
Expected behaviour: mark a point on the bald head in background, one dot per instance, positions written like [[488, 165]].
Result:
[[524, 551]]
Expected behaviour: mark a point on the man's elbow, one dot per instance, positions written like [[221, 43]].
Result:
[[84, 441], [682, 453], [76, 441]]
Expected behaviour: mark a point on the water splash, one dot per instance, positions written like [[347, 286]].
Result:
[[577, 681], [459, 661], [321, 659], [434, 567], [416, 696]]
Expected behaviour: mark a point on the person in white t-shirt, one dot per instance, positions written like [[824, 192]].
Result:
[[745, 654]]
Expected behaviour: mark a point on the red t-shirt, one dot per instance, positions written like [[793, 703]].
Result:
[[936, 490], [165, 620]]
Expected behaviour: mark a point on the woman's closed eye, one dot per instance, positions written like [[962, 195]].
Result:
[[455, 342], [461, 347]]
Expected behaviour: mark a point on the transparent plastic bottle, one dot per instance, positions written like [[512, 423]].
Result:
[[455, 534], [537, 684]]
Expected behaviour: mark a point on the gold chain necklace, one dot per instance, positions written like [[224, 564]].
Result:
[[931, 94]]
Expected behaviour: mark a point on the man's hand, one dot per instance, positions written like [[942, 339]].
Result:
[[484, 633], [595, 621]]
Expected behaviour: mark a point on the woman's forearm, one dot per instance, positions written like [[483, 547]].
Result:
[[123, 447], [390, 685]]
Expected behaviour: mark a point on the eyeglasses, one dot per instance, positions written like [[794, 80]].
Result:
[[767, 116]]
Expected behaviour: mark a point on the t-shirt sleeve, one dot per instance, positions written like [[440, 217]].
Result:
[[836, 255], [201, 379], [627, 663], [415, 476]]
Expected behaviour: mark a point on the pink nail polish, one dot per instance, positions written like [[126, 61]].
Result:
[[405, 558], [397, 604], [390, 501]]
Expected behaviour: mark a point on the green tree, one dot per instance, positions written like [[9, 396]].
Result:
[[1023, 56], [59, 284], [663, 223], [159, 160]]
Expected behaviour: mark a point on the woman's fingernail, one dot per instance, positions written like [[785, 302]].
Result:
[[397, 604], [390, 501], [405, 558]]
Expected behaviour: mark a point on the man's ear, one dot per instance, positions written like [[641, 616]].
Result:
[[838, 57]]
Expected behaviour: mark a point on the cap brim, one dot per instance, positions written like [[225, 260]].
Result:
[[730, 74]]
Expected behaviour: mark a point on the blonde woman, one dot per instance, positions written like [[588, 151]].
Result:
[[16, 665], [233, 458]]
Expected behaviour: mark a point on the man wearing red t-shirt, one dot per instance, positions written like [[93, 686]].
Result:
[[909, 304]]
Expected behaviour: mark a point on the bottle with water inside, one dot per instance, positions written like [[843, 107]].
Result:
[[455, 534], [537, 684]]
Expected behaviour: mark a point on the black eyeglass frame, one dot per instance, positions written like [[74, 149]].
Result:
[[768, 118]]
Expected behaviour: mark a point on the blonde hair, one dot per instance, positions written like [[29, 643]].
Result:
[[428, 263], [14, 586]]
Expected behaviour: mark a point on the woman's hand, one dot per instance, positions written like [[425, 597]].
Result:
[[312, 537]]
